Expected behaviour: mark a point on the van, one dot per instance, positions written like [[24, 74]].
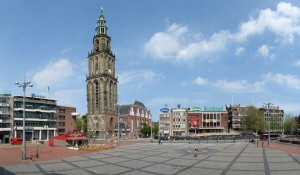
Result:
[[16, 141]]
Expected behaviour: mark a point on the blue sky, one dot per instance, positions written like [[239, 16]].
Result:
[[193, 53]]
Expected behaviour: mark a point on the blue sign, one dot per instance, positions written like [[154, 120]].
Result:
[[164, 110]]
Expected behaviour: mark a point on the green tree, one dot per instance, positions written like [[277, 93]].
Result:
[[146, 129], [253, 121], [290, 124], [81, 123], [155, 129]]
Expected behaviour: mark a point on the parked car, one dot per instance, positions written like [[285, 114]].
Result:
[[264, 138], [14, 141]]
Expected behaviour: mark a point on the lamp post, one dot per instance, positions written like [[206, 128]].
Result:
[[151, 129], [24, 86], [268, 114]]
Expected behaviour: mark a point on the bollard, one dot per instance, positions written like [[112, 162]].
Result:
[[262, 144], [257, 144]]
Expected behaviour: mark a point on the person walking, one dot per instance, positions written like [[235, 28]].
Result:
[[196, 153]]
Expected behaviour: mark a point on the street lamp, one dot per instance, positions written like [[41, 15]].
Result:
[[268, 114], [151, 129], [24, 86]]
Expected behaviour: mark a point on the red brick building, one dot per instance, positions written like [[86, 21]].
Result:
[[133, 116], [66, 119]]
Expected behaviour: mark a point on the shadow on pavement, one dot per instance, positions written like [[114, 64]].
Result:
[[5, 172]]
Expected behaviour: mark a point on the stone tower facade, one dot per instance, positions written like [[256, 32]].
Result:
[[102, 93]]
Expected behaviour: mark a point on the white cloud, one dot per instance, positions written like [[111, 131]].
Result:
[[178, 44], [139, 77], [217, 42], [290, 81], [200, 81], [297, 63], [264, 51], [284, 22], [53, 73], [239, 51], [163, 45], [238, 86]]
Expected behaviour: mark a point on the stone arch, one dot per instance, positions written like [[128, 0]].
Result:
[[103, 44], [96, 45], [111, 123]]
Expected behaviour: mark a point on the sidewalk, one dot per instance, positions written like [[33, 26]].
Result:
[[12, 154], [286, 147], [240, 158]]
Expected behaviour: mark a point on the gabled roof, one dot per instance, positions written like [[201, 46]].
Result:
[[140, 104]]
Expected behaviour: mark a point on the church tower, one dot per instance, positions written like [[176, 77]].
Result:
[[101, 81]]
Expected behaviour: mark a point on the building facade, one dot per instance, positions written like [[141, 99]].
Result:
[[274, 119], [164, 124], [40, 118], [6, 119], [178, 124], [101, 84], [66, 119], [207, 120], [133, 116], [235, 116], [189, 122]]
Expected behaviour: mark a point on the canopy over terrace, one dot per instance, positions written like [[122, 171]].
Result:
[[71, 140]]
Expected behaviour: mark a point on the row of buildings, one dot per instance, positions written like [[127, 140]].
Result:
[[196, 121], [43, 117]]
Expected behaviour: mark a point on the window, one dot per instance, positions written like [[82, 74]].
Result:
[[61, 123], [61, 110], [61, 117]]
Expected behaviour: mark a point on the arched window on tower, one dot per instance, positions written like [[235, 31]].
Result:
[[96, 46]]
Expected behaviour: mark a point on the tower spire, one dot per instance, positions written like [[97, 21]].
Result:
[[101, 27]]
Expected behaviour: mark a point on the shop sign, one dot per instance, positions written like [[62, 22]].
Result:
[[213, 109], [196, 108], [164, 110]]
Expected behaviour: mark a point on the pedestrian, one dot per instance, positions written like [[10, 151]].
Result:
[[196, 153]]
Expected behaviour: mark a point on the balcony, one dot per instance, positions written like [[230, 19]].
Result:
[[4, 104], [5, 121], [4, 113]]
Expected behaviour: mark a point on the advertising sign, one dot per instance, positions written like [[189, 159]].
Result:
[[164, 110], [196, 108], [213, 109]]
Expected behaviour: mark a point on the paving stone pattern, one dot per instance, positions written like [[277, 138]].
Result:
[[169, 158]]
